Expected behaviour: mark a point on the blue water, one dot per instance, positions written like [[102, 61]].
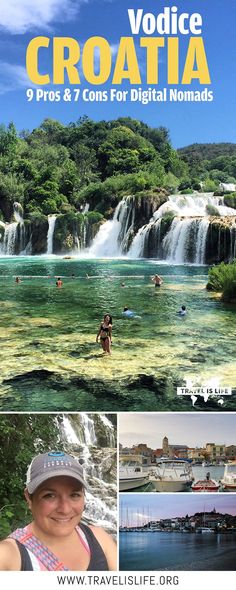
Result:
[[48, 335], [177, 551]]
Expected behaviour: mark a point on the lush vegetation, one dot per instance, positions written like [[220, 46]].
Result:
[[21, 437], [210, 163], [222, 278], [57, 168]]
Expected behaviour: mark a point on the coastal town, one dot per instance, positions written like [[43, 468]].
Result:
[[211, 453], [200, 522]]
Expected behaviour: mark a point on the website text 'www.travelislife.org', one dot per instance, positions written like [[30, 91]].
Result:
[[112, 580]]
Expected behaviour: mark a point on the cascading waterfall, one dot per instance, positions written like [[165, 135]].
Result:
[[51, 227], [14, 234], [140, 245], [112, 237], [110, 430], [187, 236], [18, 215], [79, 434], [176, 242], [8, 247], [233, 242], [201, 241], [71, 435], [89, 431]]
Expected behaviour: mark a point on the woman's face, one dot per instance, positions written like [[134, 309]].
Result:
[[107, 319], [57, 505]]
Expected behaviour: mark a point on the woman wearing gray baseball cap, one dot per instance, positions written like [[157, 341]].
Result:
[[56, 539]]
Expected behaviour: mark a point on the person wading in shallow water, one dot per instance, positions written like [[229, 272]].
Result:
[[59, 282], [56, 539], [157, 280], [104, 333]]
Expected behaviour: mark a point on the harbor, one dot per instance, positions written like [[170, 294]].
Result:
[[198, 533], [173, 467]]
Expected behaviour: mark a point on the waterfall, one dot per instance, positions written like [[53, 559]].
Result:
[[186, 239], [85, 208], [112, 237], [176, 242], [78, 434], [69, 431], [18, 212], [110, 430], [8, 247], [137, 247], [201, 241], [14, 234], [89, 431], [147, 241], [233, 242], [51, 228]]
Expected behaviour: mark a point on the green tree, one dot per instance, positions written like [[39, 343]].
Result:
[[21, 437]]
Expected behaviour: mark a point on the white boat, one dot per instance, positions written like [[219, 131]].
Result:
[[204, 529], [172, 475], [229, 478], [131, 475]]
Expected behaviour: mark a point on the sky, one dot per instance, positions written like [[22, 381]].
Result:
[[22, 20], [155, 506], [182, 429]]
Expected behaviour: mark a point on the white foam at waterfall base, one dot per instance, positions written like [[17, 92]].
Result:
[[105, 242]]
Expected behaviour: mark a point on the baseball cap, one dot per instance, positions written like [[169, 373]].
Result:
[[52, 464]]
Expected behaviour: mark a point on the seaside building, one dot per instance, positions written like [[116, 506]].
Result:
[[230, 453], [215, 452]]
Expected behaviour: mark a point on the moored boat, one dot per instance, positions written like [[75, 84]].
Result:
[[206, 485], [204, 529], [171, 475], [229, 478], [131, 475]]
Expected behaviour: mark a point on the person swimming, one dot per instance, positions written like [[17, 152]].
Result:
[[59, 282], [129, 313], [182, 311]]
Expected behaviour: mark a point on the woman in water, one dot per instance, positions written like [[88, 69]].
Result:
[[56, 539], [104, 333]]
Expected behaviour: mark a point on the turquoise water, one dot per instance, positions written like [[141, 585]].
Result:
[[49, 357], [177, 551]]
